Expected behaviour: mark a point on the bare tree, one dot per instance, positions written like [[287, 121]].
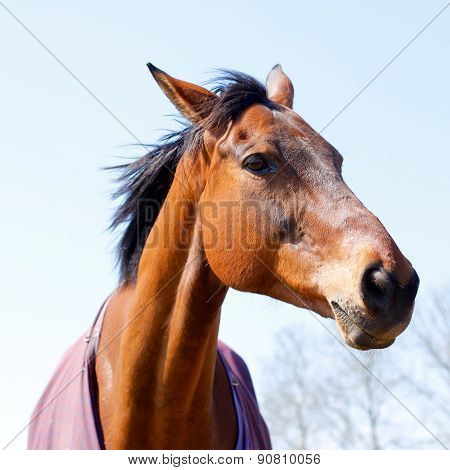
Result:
[[295, 394], [430, 384], [323, 396]]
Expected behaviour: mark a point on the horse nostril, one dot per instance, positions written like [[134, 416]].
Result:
[[377, 289], [412, 287]]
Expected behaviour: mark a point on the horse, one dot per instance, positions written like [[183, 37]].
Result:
[[245, 196]]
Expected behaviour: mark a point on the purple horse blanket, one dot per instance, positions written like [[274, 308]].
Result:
[[67, 417]]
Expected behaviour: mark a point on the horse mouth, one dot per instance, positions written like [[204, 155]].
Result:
[[353, 333]]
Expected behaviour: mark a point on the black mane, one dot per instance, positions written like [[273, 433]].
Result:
[[145, 182]]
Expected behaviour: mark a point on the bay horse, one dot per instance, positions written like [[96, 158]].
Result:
[[247, 195]]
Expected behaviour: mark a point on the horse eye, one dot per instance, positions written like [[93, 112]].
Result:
[[256, 163]]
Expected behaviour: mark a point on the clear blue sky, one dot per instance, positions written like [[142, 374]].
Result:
[[56, 255]]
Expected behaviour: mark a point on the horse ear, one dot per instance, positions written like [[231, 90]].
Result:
[[194, 102], [279, 87]]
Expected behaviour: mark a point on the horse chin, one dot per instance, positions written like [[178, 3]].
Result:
[[354, 335]]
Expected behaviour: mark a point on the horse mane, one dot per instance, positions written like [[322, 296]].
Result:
[[145, 182]]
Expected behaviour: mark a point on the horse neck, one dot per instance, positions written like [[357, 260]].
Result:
[[168, 352]]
